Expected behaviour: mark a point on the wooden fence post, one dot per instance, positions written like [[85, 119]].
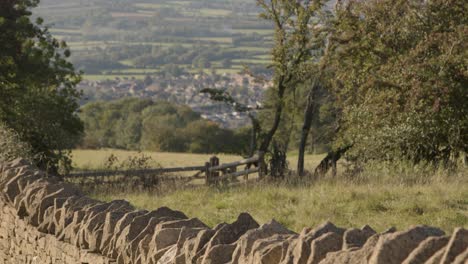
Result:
[[207, 173], [212, 175], [246, 178], [232, 170]]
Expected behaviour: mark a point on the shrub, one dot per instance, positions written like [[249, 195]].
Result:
[[11, 147]]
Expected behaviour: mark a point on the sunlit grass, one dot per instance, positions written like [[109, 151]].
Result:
[[346, 204], [94, 159], [398, 196]]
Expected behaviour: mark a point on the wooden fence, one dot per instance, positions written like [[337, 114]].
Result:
[[213, 172]]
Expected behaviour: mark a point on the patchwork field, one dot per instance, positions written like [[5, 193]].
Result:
[[127, 32]]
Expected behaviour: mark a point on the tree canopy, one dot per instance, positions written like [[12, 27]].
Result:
[[399, 72], [37, 85]]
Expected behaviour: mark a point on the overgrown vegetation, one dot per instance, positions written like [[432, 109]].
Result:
[[398, 71], [11, 146], [38, 99], [391, 76], [388, 198]]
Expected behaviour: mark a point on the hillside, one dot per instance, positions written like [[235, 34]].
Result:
[[135, 38], [158, 49]]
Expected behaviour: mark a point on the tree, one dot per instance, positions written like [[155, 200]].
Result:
[[38, 98], [399, 73], [292, 50]]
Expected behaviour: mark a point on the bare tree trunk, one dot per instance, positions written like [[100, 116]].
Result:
[[278, 113], [308, 116], [255, 131]]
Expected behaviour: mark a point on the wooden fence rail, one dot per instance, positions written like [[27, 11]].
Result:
[[133, 172], [214, 172], [224, 166]]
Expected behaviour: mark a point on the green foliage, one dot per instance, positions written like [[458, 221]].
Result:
[[11, 147], [141, 124], [137, 162], [399, 72], [38, 99]]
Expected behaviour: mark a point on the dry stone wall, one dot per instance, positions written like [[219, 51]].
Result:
[[44, 220]]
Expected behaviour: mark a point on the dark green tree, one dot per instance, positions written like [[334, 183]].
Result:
[[38, 98], [398, 70]]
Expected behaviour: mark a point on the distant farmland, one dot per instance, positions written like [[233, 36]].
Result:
[[123, 33]]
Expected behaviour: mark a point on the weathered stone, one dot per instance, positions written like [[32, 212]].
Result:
[[457, 244], [221, 253], [193, 222], [230, 233], [24, 198], [66, 214], [92, 229], [139, 223], [462, 258], [357, 237], [193, 248], [395, 247], [329, 242], [11, 188], [437, 257], [110, 223], [426, 249], [324, 228], [47, 222], [165, 237], [272, 253], [245, 242], [48, 200], [271, 249], [299, 250], [168, 256], [111, 248], [353, 255], [131, 249], [151, 254]]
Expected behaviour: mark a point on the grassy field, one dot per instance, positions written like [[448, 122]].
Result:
[[94, 159], [399, 197], [346, 204]]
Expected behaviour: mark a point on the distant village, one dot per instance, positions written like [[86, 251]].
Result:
[[185, 89]]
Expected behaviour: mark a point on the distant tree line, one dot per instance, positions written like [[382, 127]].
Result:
[[142, 124]]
